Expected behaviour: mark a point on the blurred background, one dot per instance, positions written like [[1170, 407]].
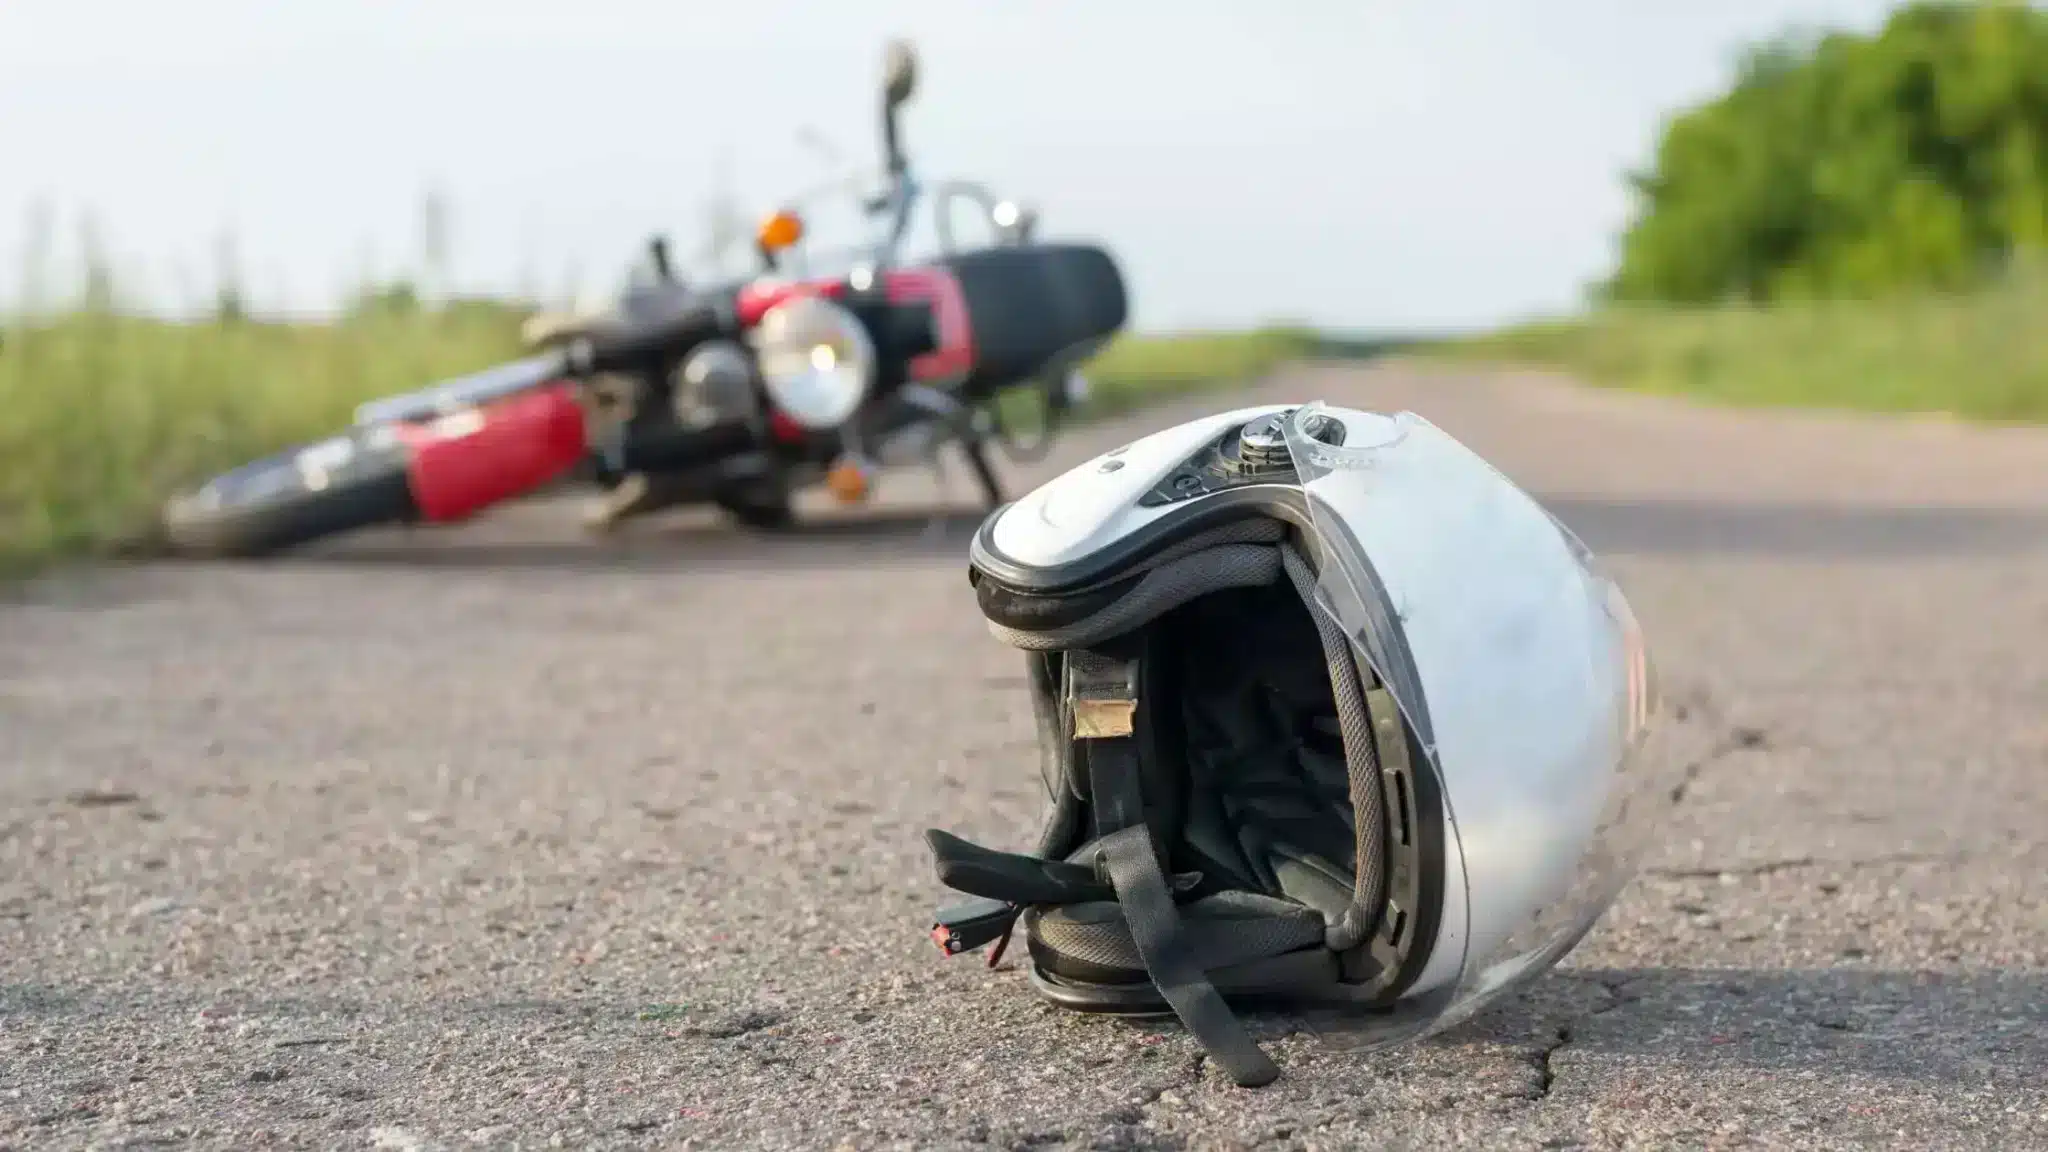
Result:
[[1669, 196], [1386, 165]]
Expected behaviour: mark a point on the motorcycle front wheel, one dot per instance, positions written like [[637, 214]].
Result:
[[762, 508], [1029, 419], [342, 484]]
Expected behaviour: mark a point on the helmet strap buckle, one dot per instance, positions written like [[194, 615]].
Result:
[[1101, 695]]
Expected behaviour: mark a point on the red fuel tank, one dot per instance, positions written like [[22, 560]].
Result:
[[472, 459]]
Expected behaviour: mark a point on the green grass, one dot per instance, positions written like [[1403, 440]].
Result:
[[106, 415], [1979, 356], [1135, 370]]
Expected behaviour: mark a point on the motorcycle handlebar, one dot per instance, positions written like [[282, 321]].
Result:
[[892, 140], [658, 254], [903, 331], [699, 321], [899, 80]]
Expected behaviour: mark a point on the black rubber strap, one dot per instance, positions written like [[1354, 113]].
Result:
[[1012, 877], [1157, 928], [1018, 878]]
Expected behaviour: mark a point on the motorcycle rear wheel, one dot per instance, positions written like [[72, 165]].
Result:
[[343, 484]]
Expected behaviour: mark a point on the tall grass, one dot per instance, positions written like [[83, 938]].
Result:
[[102, 415], [1980, 355], [1135, 370]]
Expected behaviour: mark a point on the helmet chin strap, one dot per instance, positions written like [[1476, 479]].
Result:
[[1102, 696]]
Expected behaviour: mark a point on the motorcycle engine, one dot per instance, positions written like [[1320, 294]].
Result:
[[713, 384], [609, 401]]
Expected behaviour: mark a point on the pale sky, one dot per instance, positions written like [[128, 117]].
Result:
[[1361, 164]]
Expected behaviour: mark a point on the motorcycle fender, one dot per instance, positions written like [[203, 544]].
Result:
[[468, 460]]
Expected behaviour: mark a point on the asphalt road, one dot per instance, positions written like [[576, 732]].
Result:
[[506, 838]]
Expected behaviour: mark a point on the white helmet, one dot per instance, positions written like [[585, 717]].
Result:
[[1332, 714]]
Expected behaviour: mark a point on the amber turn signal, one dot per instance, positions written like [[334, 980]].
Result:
[[848, 481], [780, 231]]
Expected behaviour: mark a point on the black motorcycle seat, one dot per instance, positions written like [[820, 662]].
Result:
[[1035, 307]]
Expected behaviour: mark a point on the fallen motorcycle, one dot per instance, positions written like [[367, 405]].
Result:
[[739, 395]]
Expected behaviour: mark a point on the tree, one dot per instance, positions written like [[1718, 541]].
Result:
[[1841, 164]]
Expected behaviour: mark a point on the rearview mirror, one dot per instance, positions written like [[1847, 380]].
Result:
[[899, 72], [1014, 222], [660, 259]]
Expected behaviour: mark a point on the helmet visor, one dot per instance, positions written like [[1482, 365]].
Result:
[[1521, 671]]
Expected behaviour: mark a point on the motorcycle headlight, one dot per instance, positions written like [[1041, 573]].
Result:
[[817, 361]]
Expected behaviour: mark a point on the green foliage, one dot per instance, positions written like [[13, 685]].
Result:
[[1136, 369], [400, 298], [107, 413], [1847, 165], [1980, 355]]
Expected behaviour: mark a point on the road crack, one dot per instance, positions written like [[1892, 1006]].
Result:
[[1791, 863], [1562, 1035], [1734, 738], [734, 1025], [1545, 1075], [1714, 872], [1128, 1119]]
